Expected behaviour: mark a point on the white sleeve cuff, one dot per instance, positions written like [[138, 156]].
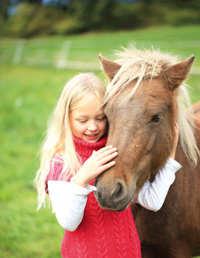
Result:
[[82, 190], [173, 165], [152, 195], [68, 202]]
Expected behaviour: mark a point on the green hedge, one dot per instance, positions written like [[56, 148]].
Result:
[[33, 20]]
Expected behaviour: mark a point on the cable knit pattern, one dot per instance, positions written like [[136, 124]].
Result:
[[80, 243], [119, 235], [98, 224], [101, 233], [134, 238]]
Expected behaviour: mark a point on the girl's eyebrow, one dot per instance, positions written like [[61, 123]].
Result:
[[85, 116], [82, 116], [101, 114]]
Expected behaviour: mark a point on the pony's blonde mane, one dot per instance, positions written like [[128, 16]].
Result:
[[141, 64]]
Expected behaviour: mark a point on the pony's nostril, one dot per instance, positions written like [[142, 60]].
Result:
[[120, 192], [117, 193]]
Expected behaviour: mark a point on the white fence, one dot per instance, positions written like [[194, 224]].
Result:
[[77, 54], [40, 53]]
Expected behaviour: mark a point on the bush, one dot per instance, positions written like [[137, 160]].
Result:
[[180, 17], [131, 16], [32, 20], [67, 26]]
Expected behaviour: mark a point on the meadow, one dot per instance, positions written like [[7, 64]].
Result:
[[32, 75]]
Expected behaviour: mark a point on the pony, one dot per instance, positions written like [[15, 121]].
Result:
[[146, 94]]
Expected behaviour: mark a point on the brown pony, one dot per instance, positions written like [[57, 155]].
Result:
[[146, 95]]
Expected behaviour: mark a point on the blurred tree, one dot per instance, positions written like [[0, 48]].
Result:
[[82, 11], [28, 18], [92, 13], [4, 4], [103, 14], [30, 1], [56, 2], [193, 4]]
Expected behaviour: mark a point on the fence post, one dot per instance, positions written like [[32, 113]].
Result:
[[62, 61], [18, 51]]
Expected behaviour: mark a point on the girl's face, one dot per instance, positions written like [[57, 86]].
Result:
[[88, 122]]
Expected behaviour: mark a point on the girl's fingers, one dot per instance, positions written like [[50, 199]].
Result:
[[105, 153], [176, 128], [106, 159], [176, 137], [102, 150], [106, 166]]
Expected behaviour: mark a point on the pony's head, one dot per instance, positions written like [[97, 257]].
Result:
[[142, 104]]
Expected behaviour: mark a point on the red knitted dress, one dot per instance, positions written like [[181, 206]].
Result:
[[102, 233]]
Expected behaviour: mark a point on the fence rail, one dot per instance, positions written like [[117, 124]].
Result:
[[74, 54]]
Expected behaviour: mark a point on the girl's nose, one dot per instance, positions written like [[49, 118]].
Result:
[[92, 126]]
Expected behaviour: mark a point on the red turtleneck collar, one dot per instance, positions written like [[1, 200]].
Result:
[[85, 149]]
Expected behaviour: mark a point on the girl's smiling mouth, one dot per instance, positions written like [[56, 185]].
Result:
[[91, 136]]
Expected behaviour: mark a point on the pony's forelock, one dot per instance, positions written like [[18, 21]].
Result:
[[137, 65]]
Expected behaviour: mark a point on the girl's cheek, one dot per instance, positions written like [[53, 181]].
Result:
[[83, 128], [105, 127]]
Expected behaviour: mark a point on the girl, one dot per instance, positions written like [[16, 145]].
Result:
[[73, 155]]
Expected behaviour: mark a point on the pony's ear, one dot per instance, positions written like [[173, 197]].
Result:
[[176, 74], [110, 68]]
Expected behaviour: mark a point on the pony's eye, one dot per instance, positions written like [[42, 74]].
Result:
[[156, 118]]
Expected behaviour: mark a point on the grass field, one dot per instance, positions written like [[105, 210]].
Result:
[[29, 88]]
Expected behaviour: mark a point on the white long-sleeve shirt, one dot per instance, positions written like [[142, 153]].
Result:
[[69, 199]]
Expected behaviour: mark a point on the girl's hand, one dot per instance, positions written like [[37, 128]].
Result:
[[176, 132], [95, 165]]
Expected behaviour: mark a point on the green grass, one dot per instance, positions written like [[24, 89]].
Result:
[[28, 95], [182, 41]]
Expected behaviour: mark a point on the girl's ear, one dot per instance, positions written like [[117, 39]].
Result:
[[110, 68], [176, 74]]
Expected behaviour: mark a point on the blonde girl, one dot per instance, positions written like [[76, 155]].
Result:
[[72, 156], [79, 91]]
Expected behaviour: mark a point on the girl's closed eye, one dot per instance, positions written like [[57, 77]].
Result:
[[81, 119], [102, 118]]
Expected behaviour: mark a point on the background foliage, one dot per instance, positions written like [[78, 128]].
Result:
[[28, 18]]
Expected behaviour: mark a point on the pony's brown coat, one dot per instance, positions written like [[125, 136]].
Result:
[[141, 127]]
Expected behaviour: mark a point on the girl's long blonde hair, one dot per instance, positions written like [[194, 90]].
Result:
[[79, 91]]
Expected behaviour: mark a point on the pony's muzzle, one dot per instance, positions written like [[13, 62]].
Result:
[[113, 196]]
